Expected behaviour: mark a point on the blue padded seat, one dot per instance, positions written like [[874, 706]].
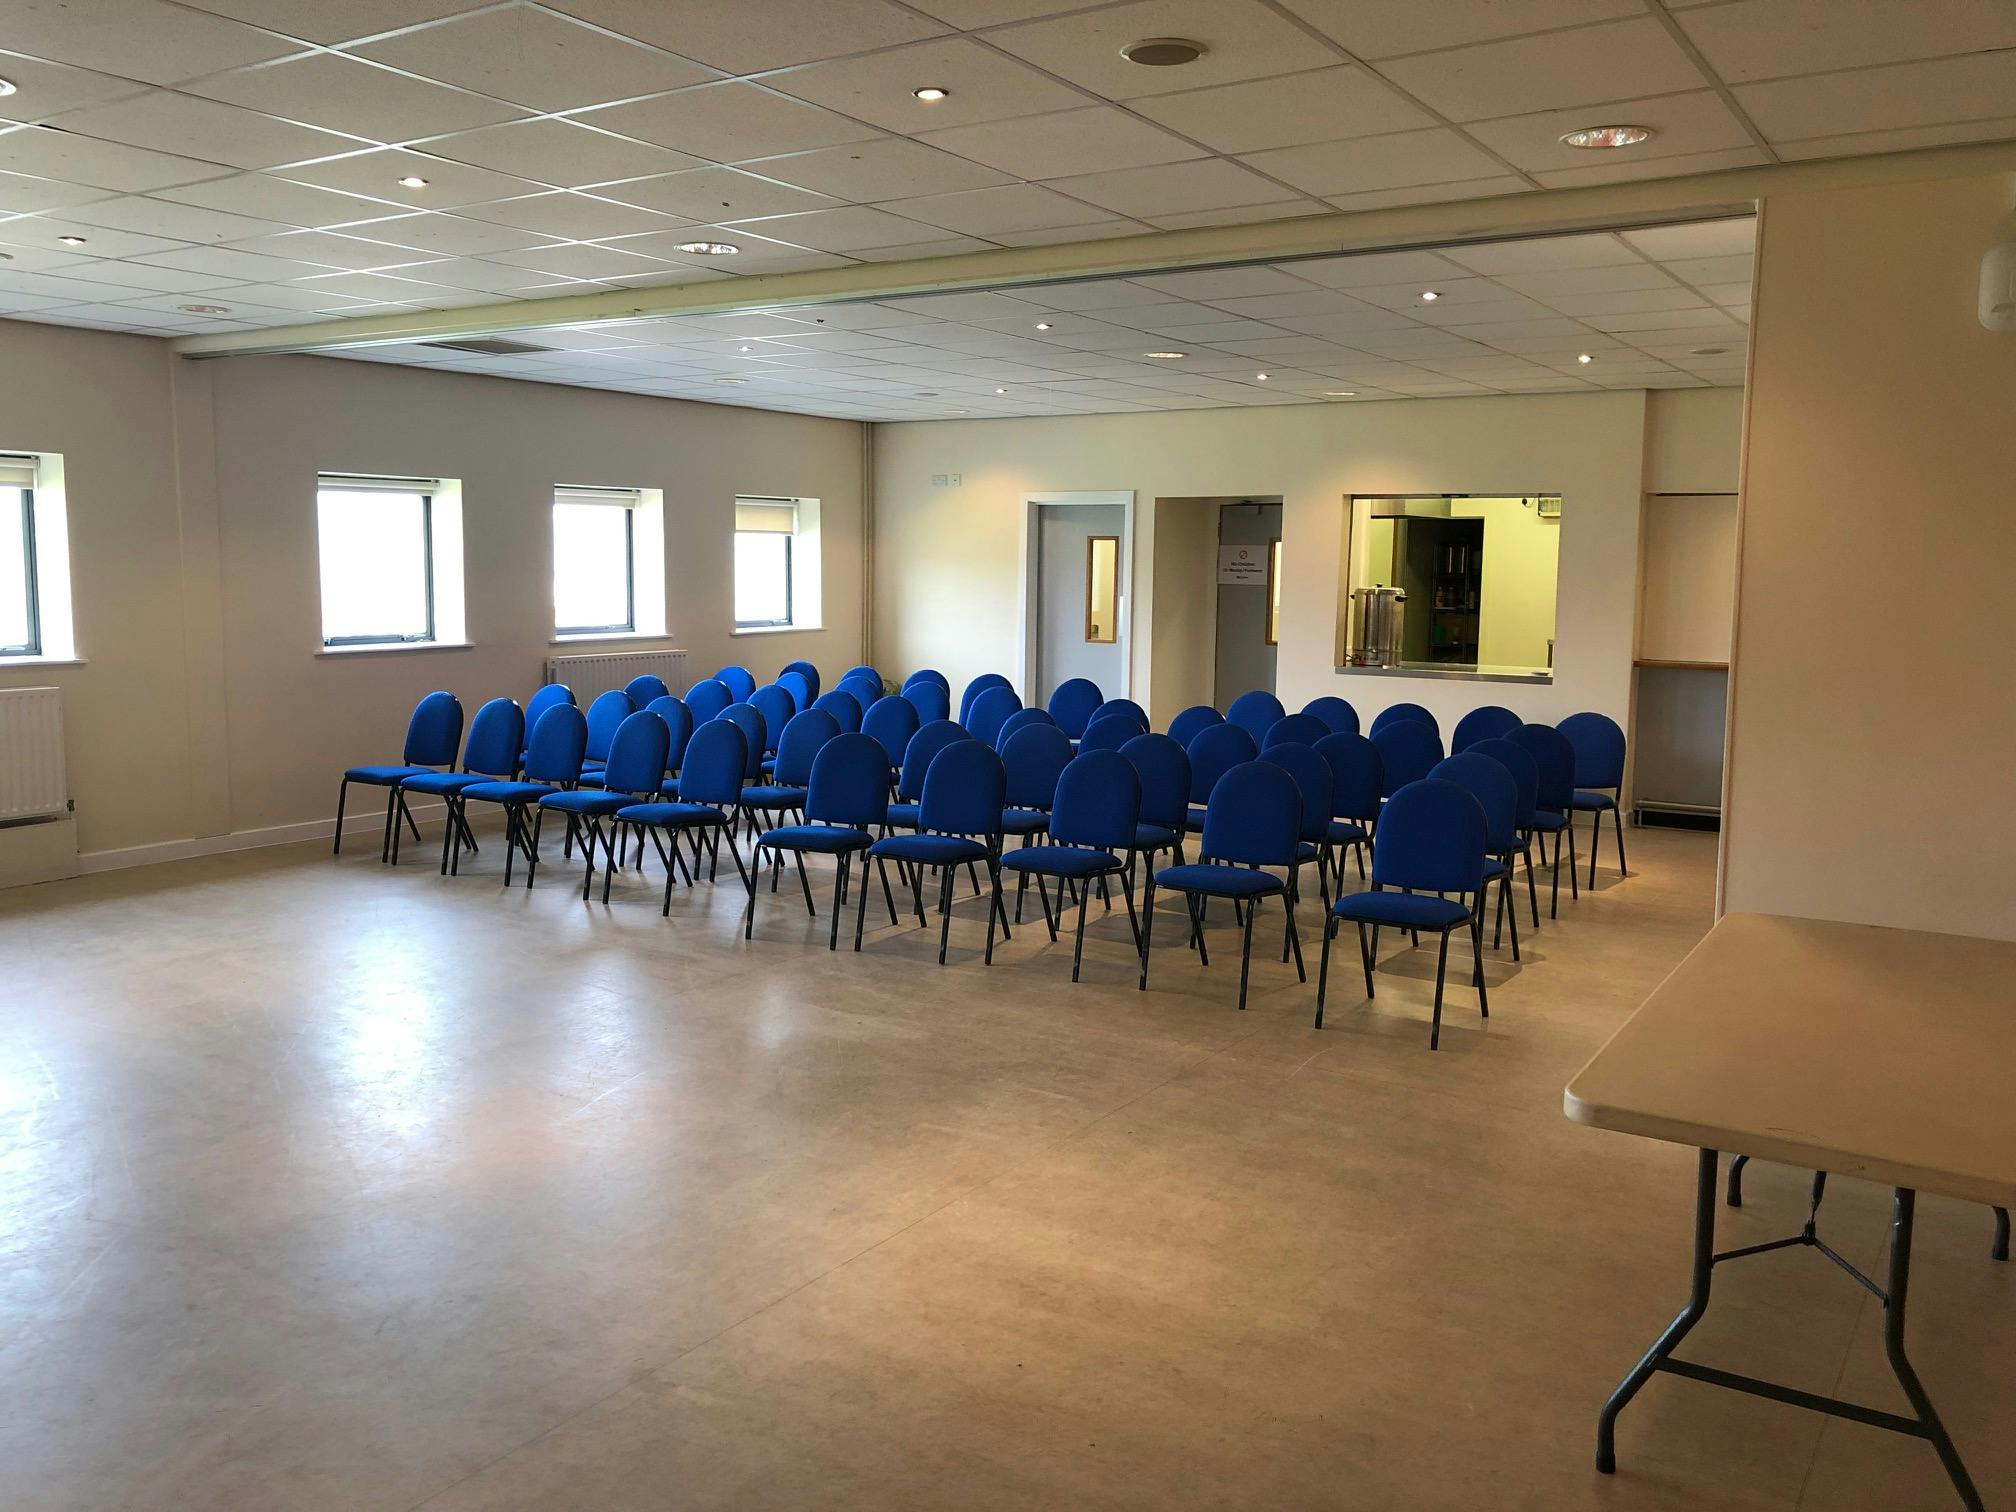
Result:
[[1062, 861], [383, 776], [1343, 832], [904, 814], [1021, 821], [1586, 802], [1406, 910], [826, 839], [932, 850], [440, 784], [773, 796], [587, 801], [1220, 881], [509, 792], [1154, 837], [666, 814]]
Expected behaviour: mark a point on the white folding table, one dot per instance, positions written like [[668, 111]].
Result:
[[1881, 1054]]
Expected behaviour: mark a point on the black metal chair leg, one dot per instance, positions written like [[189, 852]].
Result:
[[1441, 969], [1510, 906], [1078, 947], [532, 849], [1147, 925], [1617, 823], [944, 911], [1365, 955], [997, 908], [1998, 1249], [342, 797], [1323, 965], [842, 864], [1574, 888], [1477, 955], [798, 857]]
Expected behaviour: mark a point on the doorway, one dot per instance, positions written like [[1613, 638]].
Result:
[[1080, 586], [1249, 549]]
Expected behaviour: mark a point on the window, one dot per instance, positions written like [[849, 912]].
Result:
[[594, 561], [1102, 589], [1274, 592], [34, 559], [776, 563], [391, 558]]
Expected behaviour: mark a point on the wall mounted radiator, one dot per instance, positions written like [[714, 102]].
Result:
[[33, 783], [599, 672]]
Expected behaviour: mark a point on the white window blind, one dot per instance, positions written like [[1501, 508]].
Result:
[[777, 516], [366, 483], [623, 498], [16, 471]]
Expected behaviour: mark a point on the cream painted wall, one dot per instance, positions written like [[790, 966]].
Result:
[[1872, 724], [204, 708], [1689, 604], [1522, 554], [1185, 564]]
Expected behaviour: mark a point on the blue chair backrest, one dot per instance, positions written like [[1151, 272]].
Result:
[[1098, 802], [1297, 729], [1598, 743], [776, 706], [1035, 756], [1192, 722], [1072, 704], [1021, 719], [892, 721], [925, 744], [637, 755], [863, 670], [678, 723], [844, 707], [990, 711], [1409, 750], [745, 718], [1214, 753], [1431, 838], [559, 742], [1255, 816], [1401, 712], [927, 675], [644, 687], [716, 758], [1525, 775], [1357, 775], [1335, 713], [1255, 712], [707, 698], [803, 738], [1164, 769], [931, 701], [739, 681], [1124, 708], [1555, 759], [810, 673], [604, 716], [1484, 723], [975, 688], [434, 733], [1312, 779], [1110, 733], [1493, 787], [546, 698], [799, 686], [496, 739], [964, 790], [865, 690], [850, 782]]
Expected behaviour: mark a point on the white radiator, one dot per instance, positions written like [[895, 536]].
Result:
[[599, 672], [33, 784]]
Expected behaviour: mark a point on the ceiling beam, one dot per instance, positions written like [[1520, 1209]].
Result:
[[1543, 212]]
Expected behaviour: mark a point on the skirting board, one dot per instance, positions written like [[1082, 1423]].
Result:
[[371, 823]]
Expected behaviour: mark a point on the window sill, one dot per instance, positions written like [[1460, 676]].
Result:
[[396, 648], [1537, 677], [776, 630], [42, 661], [592, 637]]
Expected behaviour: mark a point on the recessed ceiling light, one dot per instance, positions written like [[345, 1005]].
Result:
[[1606, 136], [1262, 377], [6, 257], [412, 181], [931, 94], [1706, 351], [1163, 52], [203, 309], [6, 86], [1340, 393], [1001, 391], [732, 382], [1165, 356], [1042, 325], [71, 241], [745, 349], [1429, 296], [1584, 357], [958, 412], [709, 249]]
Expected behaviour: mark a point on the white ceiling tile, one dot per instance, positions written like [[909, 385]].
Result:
[[47, 153], [1384, 28], [1872, 99], [1627, 301], [578, 260], [16, 258], [1999, 129], [347, 94], [43, 89], [1716, 238], [449, 235], [1323, 105], [1171, 188], [1405, 295], [1053, 235], [980, 85], [579, 217], [557, 152], [1431, 194], [1238, 215], [1545, 284], [746, 36], [869, 172], [1222, 283], [1295, 302], [1367, 270], [713, 194], [248, 266], [759, 254], [379, 172], [1094, 294], [1733, 268], [1682, 123], [377, 286], [979, 307], [331, 249], [944, 246], [268, 198], [533, 57], [1657, 167], [1092, 140], [1012, 207], [321, 21], [1383, 162], [182, 223], [46, 232], [292, 296], [165, 121], [148, 39], [1666, 320], [1619, 60], [1594, 250], [729, 122], [1242, 38], [1762, 39], [56, 285], [22, 193], [845, 229]]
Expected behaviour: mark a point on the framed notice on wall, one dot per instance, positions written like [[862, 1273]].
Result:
[[1243, 564]]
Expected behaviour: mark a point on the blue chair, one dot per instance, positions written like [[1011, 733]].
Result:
[[1111, 733], [776, 705], [959, 824], [644, 687], [1399, 713], [636, 771], [1253, 820], [866, 690], [1164, 769], [1092, 826], [1021, 719], [1312, 778], [1553, 801], [433, 736], [1294, 729], [496, 743], [975, 688], [892, 722], [1034, 757], [1124, 708], [929, 675], [537, 705], [1255, 713], [810, 673], [924, 746], [1486, 722], [739, 681], [679, 726], [1073, 703], [990, 711], [846, 799], [605, 717], [710, 790], [1338, 715], [804, 737], [1526, 779], [1598, 743], [799, 686], [1357, 784], [1408, 749], [1192, 722], [552, 764], [1497, 793], [707, 698], [863, 670], [844, 707], [745, 718], [1214, 752], [1431, 841], [931, 700]]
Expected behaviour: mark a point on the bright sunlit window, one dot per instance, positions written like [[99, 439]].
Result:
[[391, 558], [34, 559], [594, 561], [20, 624], [776, 563]]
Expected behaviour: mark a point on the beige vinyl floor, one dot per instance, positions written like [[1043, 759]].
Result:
[[324, 1186]]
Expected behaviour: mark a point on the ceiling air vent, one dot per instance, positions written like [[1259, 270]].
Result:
[[488, 346]]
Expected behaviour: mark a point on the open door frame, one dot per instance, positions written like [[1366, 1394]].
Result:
[[1032, 506]]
